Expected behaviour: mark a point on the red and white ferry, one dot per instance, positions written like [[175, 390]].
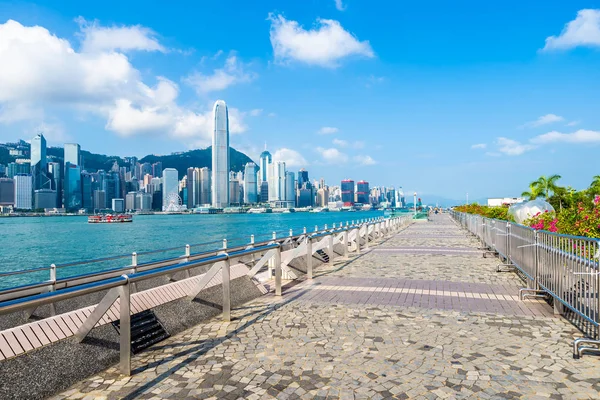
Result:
[[109, 219]]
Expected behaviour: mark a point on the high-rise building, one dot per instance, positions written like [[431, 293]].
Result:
[[264, 192], [250, 188], [323, 197], [235, 191], [170, 189], [23, 191], [362, 192], [14, 168], [193, 187], [99, 199], [143, 201], [72, 187], [290, 188], [7, 192], [39, 163], [277, 181], [87, 199], [118, 205], [220, 156], [157, 169], [2, 170], [304, 197], [44, 198], [265, 160], [130, 201], [348, 192], [205, 186], [302, 178], [55, 174], [73, 154]]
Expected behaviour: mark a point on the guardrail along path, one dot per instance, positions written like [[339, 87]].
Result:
[[420, 315]]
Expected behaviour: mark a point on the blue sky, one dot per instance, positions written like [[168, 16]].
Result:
[[443, 98]]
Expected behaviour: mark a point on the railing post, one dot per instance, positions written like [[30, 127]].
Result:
[[187, 259], [53, 288], [357, 240], [252, 245], [304, 230], [278, 271], [345, 239], [252, 239], [330, 248], [309, 258], [316, 228], [274, 235], [226, 273], [366, 236], [334, 225], [125, 328], [224, 244], [535, 261], [291, 233]]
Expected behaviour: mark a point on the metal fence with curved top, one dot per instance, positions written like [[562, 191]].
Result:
[[561, 267]]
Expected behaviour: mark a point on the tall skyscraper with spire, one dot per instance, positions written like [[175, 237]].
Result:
[[220, 156]]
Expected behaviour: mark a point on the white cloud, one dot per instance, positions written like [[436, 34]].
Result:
[[233, 72], [573, 123], [40, 69], [340, 142], [543, 120], [291, 157], [256, 112], [358, 144], [512, 147], [339, 5], [584, 30], [328, 130], [54, 132], [580, 136], [325, 46], [479, 146], [332, 155], [272, 114], [364, 160], [124, 38]]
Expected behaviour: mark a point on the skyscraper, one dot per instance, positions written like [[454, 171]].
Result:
[[170, 189], [277, 181], [205, 186], [362, 192], [302, 178], [265, 160], [348, 192], [72, 187], [250, 188], [220, 156], [193, 187], [7, 192], [157, 169], [73, 154], [56, 177], [38, 163], [23, 191]]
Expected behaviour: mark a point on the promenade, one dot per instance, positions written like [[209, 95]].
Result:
[[420, 315]]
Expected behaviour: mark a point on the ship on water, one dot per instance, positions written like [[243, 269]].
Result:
[[109, 219]]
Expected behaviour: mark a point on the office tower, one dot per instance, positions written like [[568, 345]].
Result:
[[7, 192], [87, 199], [264, 192], [304, 197], [234, 191], [2, 170], [130, 201], [23, 191], [220, 156], [322, 197], [38, 163], [157, 169], [154, 185], [348, 192], [277, 181], [44, 198], [290, 188], [118, 205], [321, 183], [302, 178], [143, 201], [264, 161], [145, 169], [132, 164], [205, 186], [402, 200], [72, 187], [193, 187], [99, 199], [362, 192], [55, 175], [73, 154], [14, 168], [250, 188], [170, 188]]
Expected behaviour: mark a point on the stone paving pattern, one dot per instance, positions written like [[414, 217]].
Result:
[[381, 325]]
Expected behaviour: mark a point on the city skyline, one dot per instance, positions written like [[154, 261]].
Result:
[[464, 105]]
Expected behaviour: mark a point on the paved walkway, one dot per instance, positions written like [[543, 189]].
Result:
[[422, 315]]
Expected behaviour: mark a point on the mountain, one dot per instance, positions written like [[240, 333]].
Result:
[[180, 161]]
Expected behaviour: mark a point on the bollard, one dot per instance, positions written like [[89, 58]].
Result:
[[309, 258]]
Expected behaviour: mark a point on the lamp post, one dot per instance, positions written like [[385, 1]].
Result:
[[415, 202]]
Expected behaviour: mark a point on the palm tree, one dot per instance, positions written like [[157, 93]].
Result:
[[595, 186], [534, 192], [547, 184]]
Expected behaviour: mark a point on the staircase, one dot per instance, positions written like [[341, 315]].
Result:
[[322, 255], [146, 330]]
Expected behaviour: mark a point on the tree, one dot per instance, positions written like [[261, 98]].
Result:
[[595, 186], [534, 192], [547, 184]]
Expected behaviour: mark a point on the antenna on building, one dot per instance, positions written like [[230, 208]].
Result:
[[265, 146]]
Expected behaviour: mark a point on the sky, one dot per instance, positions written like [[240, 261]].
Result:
[[442, 98]]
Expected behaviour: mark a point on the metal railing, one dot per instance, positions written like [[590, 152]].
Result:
[[563, 267], [270, 255]]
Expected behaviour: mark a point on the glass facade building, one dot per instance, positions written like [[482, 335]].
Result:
[[250, 188], [72, 187], [348, 192], [220, 156]]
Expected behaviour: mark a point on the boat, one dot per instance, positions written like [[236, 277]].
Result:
[[109, 219]]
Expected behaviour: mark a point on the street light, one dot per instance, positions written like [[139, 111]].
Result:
[[415, 202]]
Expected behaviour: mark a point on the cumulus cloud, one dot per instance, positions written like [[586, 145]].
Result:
[[359, 144], [256, 112], [580, 136], [291, 157], [340, 142], [97, 38], [364, 160], [325, 45], [328, 130], [233, 72], [584, 30], [479, 146], [332, 155], [41, 69], [543, 120], [339, 5], [573, 123], [271, 115], [512, 147]]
